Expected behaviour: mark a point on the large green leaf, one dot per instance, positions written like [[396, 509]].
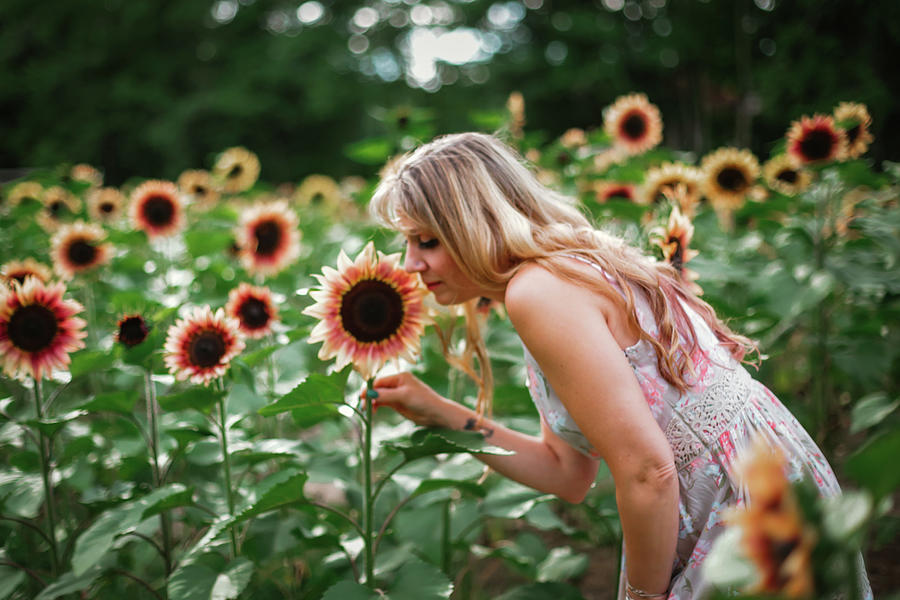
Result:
[[201, 581], [315, 398], [432, 441], [419, 580], [50, 425], [870, 465], [89, 361], [349, 590], [561, 564], [9, 581], [22, 493], [198, 398], [70, 583], [871, 410]]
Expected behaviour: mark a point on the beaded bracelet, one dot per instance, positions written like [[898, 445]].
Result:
[[633, 593]]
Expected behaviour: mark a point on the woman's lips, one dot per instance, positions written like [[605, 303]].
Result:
[[432, 285]]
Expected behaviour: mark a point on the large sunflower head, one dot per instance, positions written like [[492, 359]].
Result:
[[237, 169], [785, 174], [76, 248], [668, 176], [200, 346], [370, 311], [253, 308], [38, 328], [319, 192], [633, 123], [157, 209], [816, 139], [85, 173], [674, 241], [19, 270], [198, 185], [855, 120], [59, 206], [728, 175], [105, 204], [268, 236]]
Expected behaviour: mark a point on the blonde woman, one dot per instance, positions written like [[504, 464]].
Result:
[[625, 364]]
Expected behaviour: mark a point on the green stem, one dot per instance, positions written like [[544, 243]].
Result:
[[226, 463], [153, 424], [44, 452], [368, 498], [445, 538]]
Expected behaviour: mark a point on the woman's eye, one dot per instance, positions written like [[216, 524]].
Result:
[[427, 243]]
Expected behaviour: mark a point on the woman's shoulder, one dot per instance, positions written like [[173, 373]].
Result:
[[536, 288]]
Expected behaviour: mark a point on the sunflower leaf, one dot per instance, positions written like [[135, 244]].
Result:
[[431, 441], [50, 425], [198, 398], [318, 394], [349, 590], [88, 361], [122, 401]]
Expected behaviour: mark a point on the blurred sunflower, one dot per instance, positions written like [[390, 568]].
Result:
[[198, 186], [674, 241], [370, 311], [23, 192], [38, 328], [87, 174], [670, 175], [515, 105], [200, 346], [253, 309], [319, 192], [157, 209], [816, 139], [785, 174], [18, 270], [105, 204], [59, 205], [76, 249], [633, 123], [573, 138], [855, 120], [268, 236], [605, 191], [728, 177], [237, 169], [132, 329]]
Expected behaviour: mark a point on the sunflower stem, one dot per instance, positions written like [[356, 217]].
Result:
[[44, 452], [153, 424], [226, 463], [368, 498]]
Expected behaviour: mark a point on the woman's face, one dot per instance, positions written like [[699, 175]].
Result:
[[443, 277]]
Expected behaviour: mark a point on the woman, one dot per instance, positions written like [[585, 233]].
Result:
[[625, 363]]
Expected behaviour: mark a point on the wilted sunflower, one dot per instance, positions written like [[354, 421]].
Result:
[[23, 192], [86, 174], [200, 346], [604, 191], [253, 309], [132, 330], [77, 248], [515, 104], [668, 176], [237, 169], [674, 241], [370, 311], [633, 123], [59, 205], [38, 328], [320, 192], [157, 209], [784, 173], [105, 204], [855, 120], [816, 139], [18, 270], [728, 177], [198, 185], [268, 237], [774, 535]]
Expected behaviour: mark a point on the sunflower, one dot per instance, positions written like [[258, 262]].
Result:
[[268, 237], [728, 177], [132, 330], [573, 138], [515, 105], [198, 185], [86, 174], [237, 168], [18, 270], [59, 204], [674, 241], [319, 191], [253, 308], [105, 204], [157, 209], [633, 123], [200, 346], [76, 248], [604, 191], [670, 175], [38, 328], [785, 174], [854, 118], [816, 139], [774, 535], [23, 192], [370, 311]]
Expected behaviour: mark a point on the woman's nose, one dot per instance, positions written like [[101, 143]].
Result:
[[413, 263]]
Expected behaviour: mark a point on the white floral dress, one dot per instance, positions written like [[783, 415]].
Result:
[[708, 427]]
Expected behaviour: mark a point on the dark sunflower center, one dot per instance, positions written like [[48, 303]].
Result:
[[132, 331], [235, 172], [254, 313], [853, 133], [32, 328], [268, 237], [107, 207], [159, 210], [677, 258], [199, 190], [20, 277], [817, 144], [206, 349], [731, 179], [57, 208], [81, 253], [634, 126], [621, 193], [317, 198], [787, 175], [372, 311]]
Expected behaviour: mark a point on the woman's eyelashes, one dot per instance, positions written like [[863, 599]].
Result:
[[427, 243]]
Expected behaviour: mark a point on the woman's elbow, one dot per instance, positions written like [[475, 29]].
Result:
[[658, 478], [578, 485]]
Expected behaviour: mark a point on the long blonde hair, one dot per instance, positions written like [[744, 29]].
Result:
[[477, 197]]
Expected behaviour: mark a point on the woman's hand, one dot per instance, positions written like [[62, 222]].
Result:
[[407, 395]]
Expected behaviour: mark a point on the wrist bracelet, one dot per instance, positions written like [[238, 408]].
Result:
[[633, 593]]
